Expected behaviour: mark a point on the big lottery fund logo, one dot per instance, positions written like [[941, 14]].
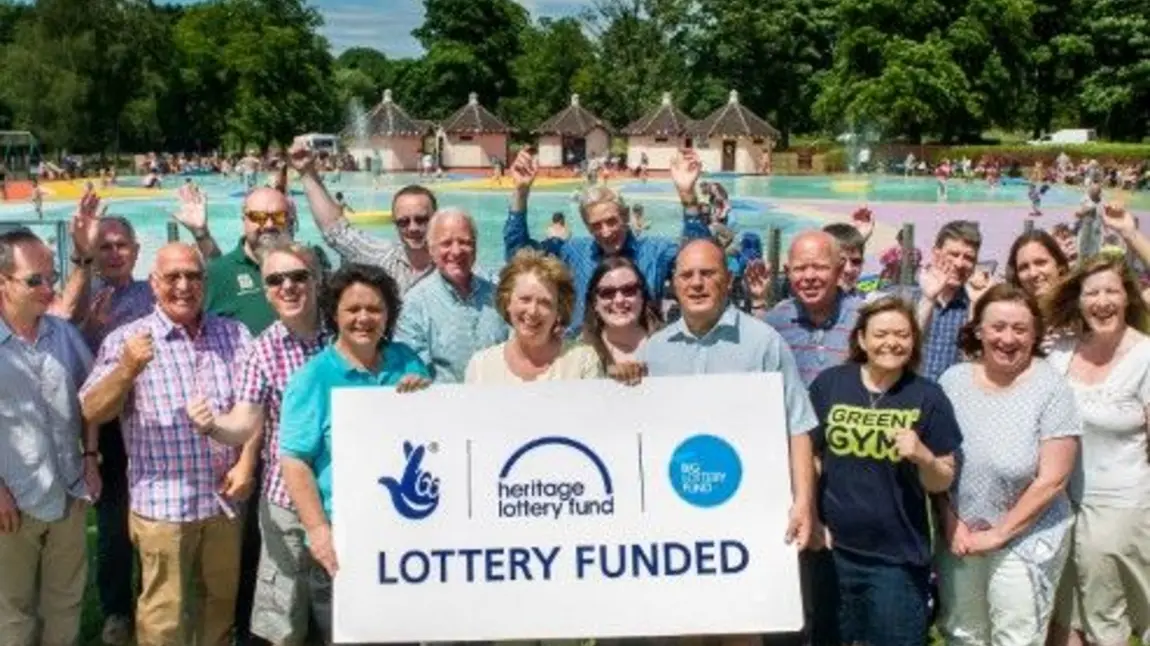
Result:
[[705, 471], [415, 495], [554, 497]]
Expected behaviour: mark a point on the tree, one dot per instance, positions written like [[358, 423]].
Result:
[[558, 60]]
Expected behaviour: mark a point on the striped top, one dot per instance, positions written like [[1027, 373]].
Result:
[[816, 347]]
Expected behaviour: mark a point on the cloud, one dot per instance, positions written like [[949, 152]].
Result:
[[386, 25]]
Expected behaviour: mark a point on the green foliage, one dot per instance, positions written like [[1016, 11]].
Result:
[[1027, 155], [103, 75]]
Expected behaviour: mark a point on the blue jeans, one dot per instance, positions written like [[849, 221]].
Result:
[[878, 604], [115, 558]]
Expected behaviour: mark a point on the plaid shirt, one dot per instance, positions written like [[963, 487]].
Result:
[[269, 362], [174, 473], [359, 246]]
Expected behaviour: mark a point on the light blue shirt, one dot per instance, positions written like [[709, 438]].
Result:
[[40, 460], [305, 417], [445, 329], [737, 343]]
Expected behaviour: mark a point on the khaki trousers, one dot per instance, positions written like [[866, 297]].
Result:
[[189, 573], [43, 571]]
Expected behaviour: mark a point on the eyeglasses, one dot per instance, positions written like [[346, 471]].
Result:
[[630, 290], [296, 276], [174, 277], [260, 218], [33, 281], [405, 222]]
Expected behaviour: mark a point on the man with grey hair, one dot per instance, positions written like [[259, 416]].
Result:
[[49, 464], [817, 320], [605, 217], [450, 315], [117, 299]]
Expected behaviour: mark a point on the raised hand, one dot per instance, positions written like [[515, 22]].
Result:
[[685, 171], [980, 282], [757, 279], [193, 211], [99, 311], [933, 279], [1117, 218], [524, 170], [863, 220], [301, 156], [85, 224]]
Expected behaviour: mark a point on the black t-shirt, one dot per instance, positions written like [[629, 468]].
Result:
[[872, 502]]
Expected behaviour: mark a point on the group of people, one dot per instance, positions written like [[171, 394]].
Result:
[[193, 408]]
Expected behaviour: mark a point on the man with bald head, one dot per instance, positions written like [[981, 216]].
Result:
[[714, 337], [183, 487], [234, 287], [816, 321], [450, 315]]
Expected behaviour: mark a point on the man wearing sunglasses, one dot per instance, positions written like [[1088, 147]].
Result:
[[49, 469], [234, 285], [606, 218], [407, 261]]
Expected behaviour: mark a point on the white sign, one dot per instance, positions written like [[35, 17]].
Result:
[[563, 510]]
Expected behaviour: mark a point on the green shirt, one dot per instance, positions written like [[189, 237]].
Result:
[[235, 289]]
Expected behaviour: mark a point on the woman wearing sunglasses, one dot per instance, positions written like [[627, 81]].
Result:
[[619, 316]]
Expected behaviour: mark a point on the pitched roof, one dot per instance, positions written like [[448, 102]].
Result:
[[388, 119], [474, 119], [664, 121], [734, 120], [572, 121]]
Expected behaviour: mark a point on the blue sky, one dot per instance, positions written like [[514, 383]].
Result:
[[386, 24]]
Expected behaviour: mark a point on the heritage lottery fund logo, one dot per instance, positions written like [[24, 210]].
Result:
[[555, 496]]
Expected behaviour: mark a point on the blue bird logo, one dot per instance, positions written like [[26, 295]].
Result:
[[416, 495]]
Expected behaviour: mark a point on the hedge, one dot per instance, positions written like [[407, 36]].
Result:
[[1022, 154]]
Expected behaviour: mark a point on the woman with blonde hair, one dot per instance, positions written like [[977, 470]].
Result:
[[536, 297], [1105, 591]]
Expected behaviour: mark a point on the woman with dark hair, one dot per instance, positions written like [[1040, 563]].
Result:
[[360, 305], [1036, 263], [619, 315], [886, 440], [1007, 517], [1105, 591]]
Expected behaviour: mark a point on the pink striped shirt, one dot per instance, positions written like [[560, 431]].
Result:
[[174, 473], [267, 365]]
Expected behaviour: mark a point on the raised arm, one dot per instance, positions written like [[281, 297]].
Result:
[[516, 234]]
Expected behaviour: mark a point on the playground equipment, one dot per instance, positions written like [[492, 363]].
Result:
[[19, 150]]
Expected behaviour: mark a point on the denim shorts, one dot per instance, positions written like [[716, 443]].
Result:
[[874, 603]]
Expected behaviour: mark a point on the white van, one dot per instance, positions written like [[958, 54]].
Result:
[[322, 143], [1071, 136]]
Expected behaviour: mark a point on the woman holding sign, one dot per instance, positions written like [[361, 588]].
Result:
[[536, 296], [886, 439], [361, 305]]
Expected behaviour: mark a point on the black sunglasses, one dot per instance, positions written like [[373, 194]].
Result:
[[628, 291], [297, 276], [36, 280], [403, 222]]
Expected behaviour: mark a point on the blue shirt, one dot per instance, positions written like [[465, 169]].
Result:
[[816, 347], [940, 343], [653, 255], [305, 418], [40, 462], [737, 343], [873, 501], [445, 329]]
